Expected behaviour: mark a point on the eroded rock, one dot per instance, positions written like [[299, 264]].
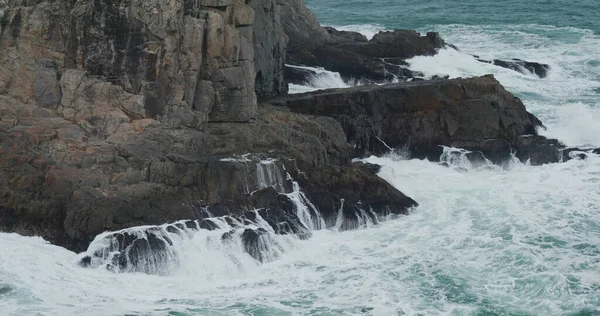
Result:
[[477, 114]]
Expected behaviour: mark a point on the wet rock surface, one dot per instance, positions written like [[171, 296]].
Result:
[[66, 184], [519, 65], [116, 114], [380, 59], [477, 114]]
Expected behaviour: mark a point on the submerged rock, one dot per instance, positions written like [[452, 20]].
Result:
[[298, 75], [255, 243], [519, 65]]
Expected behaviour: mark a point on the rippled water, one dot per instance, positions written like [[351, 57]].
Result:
[[512, 240]]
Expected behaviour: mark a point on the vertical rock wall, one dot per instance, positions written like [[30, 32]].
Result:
[[270, 43], [184, 62]]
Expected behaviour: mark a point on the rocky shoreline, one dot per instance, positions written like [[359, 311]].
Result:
[[116, 114]]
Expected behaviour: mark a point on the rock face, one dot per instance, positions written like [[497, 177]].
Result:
[[519, 65], [180, 60], [270, 42], [476, 114], [68, 184]]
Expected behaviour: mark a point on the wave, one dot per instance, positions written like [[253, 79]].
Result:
[[319, 79], [368, 30], [234, 241], [566, 100], [517, 239]]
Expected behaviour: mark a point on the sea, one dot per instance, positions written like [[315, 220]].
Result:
[[488, 240]]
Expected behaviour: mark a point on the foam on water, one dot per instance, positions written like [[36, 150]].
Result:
[[485, 240], [321, 79], [368, 30], [521, 240], [567, 101]]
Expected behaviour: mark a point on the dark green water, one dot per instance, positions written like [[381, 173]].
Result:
[[583, 14]]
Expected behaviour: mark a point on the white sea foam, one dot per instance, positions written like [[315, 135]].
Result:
[[368, 30], [484, 240], [567, 100], [321, 79], [522, 240]]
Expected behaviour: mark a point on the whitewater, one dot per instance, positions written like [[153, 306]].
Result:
[[485, 240]]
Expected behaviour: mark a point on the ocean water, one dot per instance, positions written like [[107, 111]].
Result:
[[564, 34], [488, 240]]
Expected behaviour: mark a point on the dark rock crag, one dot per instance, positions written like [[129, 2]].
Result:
[[116, 114], [380, 59], [519, 65], [476, 114]]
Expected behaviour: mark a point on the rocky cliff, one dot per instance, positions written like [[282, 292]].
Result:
[[182, 62], [123, 113]]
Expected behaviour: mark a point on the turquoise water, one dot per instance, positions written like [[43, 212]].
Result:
[[583, 14], [563, 34], [485, 241]]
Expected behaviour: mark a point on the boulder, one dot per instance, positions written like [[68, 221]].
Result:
[[476, 114], [519, 65]]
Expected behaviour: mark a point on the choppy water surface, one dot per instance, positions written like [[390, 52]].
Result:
[[512, 240]]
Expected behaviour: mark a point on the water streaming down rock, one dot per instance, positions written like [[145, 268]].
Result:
[[269, 176], [256, 235], [304, 79]]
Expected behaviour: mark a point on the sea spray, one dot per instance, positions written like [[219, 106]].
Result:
[[262, 235], [319, 78], [519, 240]]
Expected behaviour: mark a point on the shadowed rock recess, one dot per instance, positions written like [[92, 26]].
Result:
[[128, 127]]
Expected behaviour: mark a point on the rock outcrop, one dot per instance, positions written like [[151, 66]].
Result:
[[519, 65], [476, 114], [380, 59], [122, 113], [64, 183]]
